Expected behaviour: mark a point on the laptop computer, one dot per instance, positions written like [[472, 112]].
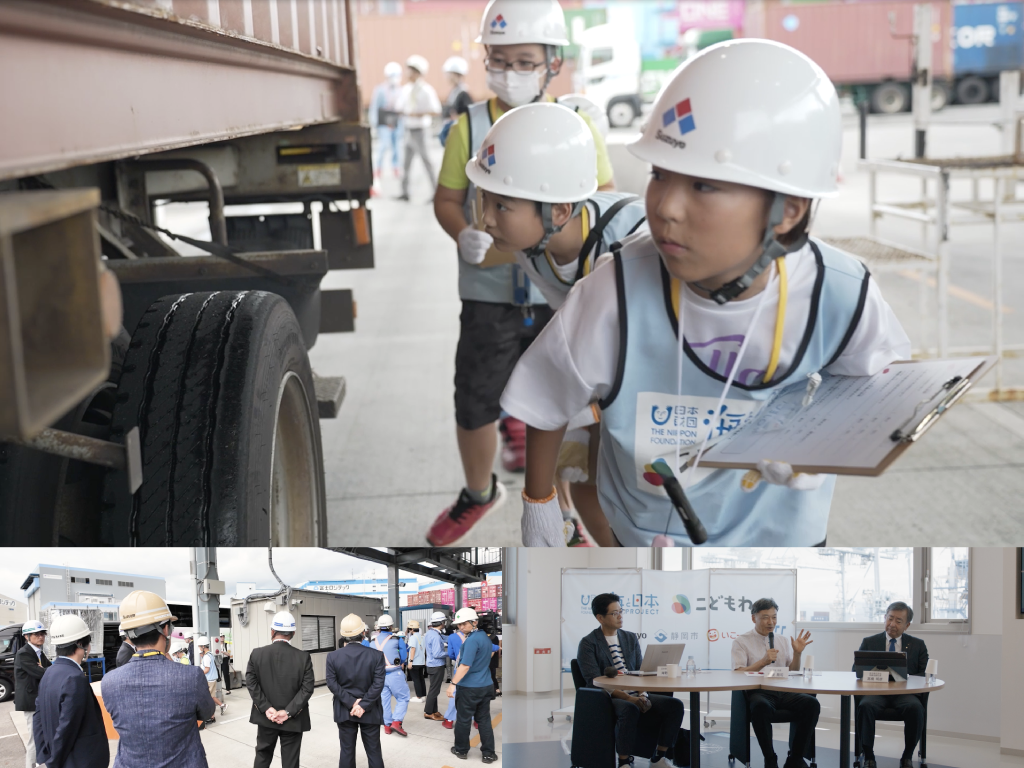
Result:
[[895, 663], [657, 656]]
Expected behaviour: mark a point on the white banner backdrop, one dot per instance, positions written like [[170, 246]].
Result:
[[731, 593], [706, 609], [579, 586], [680, 597]]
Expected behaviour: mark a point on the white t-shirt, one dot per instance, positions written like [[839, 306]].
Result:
[[572, 362], [617, 658], [419, 97], [750, 647]]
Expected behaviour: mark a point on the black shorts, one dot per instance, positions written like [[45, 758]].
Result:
[[492, 337]]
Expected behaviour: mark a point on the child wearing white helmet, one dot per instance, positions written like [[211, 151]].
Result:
[[537, 175], [419, 105], [502, 312], [700, 320], [384, 118]]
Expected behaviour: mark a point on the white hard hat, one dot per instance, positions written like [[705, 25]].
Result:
[[752, 112], [418, 63], [456, 64], [385, 621], [514, 22], [392, 69], [283, 622], [465, 614], [32, 626], [542, 152], [67, 629], [437, 616], [203, 641], [188, 635], [581, 103]]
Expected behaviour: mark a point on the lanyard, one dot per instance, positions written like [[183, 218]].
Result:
[[780, 316], [585, 223], [147, 654]]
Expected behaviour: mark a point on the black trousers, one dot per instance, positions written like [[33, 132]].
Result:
[[436, 676], [494, 677], [371, 743], [763, 705], [911, 712], [226, 673], [474, 704], [666, 712], [266, 741], [416, 673]]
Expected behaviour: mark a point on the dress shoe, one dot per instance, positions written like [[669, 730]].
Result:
[[460, 755], [396, 726], [448, 724]]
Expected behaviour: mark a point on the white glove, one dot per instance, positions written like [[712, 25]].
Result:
[[473, 245], [542, 523], [574, 456], [780, 473]]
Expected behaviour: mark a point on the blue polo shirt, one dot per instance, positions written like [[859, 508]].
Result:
[[476, 654]]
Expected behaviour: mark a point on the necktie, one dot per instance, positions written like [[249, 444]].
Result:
[[892, 645]]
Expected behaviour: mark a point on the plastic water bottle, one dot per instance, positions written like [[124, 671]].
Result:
[[691, 667]]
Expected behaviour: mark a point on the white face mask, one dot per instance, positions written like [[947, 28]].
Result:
[[515, 88]]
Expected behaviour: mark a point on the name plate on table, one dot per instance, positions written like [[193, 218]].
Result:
[[777, 672], [876, 676]]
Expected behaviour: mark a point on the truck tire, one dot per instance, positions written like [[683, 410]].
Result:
[[941, 95], [63, 496], [622, 112], [890, 98], [6, 690], [972, 90], [220, 387]]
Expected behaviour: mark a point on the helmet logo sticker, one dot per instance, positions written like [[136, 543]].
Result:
[[498, 23], [682, 115], [486, 159]]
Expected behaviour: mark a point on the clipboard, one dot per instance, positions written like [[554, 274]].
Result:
[[493, 257], [855, 425]]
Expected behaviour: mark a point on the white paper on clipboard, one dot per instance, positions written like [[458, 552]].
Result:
[[849, 425]]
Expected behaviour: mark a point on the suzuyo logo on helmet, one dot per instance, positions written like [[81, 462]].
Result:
[[498, 24], [682, 116], [487, 158]]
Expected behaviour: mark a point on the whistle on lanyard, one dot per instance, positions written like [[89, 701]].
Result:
[[694, 528]]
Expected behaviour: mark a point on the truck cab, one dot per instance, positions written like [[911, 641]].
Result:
[[608, 73], [10, 643]]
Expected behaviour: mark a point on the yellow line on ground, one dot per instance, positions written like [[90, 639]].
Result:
[[960, 293], [475, 741]]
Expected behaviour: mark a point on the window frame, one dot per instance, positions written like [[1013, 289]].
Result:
[[923, 580], [318, 617]]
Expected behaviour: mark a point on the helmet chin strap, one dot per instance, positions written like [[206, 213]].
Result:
[[771, 249], [548, 74], [550, 228]]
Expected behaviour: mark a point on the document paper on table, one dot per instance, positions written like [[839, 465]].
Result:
[[848, 427]]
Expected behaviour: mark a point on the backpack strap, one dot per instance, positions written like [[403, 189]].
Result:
[[595, 234]]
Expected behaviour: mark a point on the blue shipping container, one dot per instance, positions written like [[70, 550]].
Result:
[[987, 38]]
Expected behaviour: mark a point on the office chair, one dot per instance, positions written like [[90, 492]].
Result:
[[892, 716], [739, 730]]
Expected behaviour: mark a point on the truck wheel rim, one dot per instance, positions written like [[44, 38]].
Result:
[[294, 501], [621, 115]]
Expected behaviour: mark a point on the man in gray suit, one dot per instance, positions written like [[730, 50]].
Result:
[[355, 675], [280, 682], [611, 646]]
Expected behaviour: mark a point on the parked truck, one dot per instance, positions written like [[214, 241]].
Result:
[[148, 398], [866, 48]]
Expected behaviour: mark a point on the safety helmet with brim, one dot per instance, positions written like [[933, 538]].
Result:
[[583, 105], [392, 69], [456, 64], [465, 614], [352, 626], [418, 63], [438, 617], [32, 626], [413, 624], [751, 112], [515, 22], [283, 622], [385, 622], [68, 628], [142, 612]]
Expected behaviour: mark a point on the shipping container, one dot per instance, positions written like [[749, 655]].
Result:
[[421, 613]]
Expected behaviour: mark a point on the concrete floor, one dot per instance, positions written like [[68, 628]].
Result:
[[391, 460], [527, 725], [230, 742]]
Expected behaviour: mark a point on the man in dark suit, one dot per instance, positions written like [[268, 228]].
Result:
[[68, 727], [355, 675], [611, 646], [125, 652], [29, 665], [191, 648], [280, 682], [909, 706]]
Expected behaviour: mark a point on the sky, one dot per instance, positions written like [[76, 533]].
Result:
[[293, 565]]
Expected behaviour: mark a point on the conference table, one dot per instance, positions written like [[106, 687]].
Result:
[[843, 684]]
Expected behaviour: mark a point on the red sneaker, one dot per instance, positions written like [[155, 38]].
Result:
[[448, 724], [387, 729], [396, 726], [513, 444], [456, 521]]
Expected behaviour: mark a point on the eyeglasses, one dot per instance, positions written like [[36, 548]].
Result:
[[614, 614], [500, 65]]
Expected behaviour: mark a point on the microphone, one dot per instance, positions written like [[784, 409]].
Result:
[[771, 639], [694, 528], [611, 672]]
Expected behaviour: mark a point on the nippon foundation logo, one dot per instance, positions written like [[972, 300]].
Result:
[[487, 159], [681, 116], [498, 25]]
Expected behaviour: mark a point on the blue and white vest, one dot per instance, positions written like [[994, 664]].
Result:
[[391, 650], [626, 220], [642, 416]]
